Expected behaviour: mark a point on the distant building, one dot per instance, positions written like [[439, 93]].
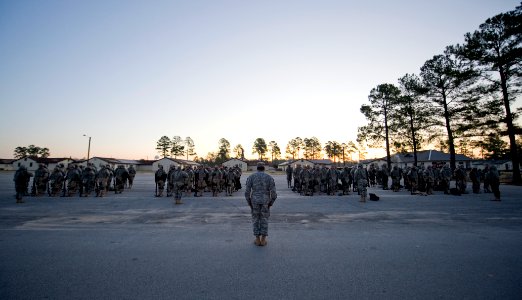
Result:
[[32, 163], [167, 161], [6, 164], [235, 162], [305, 162], [424, 158], [502, 165]]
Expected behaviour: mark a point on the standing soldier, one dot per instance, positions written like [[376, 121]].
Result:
[[21, 180], [297, 178], [289, 172], [486, 179], [229, 181], [385, 175], [306, 181], [474, 176], [260, 195], [159, 178], [324, 173], [74, 179], [215, 181], [430, 180], [333, 180], [345, 180], [170, 187], [445, 176], [199, 178], [41, 177], [361, 178], [372, 173], [494, 181], [189, 182], [132, 174], [56, 179], [396, 178], [102, 177], [177, 180], [88, 180], [460, 179], [413, 178], [120, 176]]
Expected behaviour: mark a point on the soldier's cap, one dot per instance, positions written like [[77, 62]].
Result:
[[260, 165]]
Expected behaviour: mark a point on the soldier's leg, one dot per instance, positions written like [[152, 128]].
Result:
[[161, 187], [263, 224], [256, 219]]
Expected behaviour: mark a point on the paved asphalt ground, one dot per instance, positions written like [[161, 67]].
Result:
[[135, 246]]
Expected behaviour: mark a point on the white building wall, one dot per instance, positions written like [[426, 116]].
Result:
[[29, 163], [165, 162], [236, 162]]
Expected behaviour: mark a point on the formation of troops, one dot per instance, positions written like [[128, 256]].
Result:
[[417, 180], [198, 180], [77, 180], [80, 180]]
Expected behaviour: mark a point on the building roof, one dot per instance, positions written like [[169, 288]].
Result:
[[234, 158], [179, 161], [427, 155], [313, 161], [6, 161], [44, 160]]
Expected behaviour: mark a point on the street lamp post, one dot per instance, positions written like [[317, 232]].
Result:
[[88, 148]]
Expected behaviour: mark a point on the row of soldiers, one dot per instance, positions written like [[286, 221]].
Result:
[[425, 180], [418, 180], [197, 180], [331, 181], [75, 179]]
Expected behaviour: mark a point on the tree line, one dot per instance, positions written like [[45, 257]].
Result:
[[31, 151], [307, 148], [462, 97]]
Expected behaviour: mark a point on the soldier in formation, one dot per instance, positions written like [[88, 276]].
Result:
[[361, 179], [41, 178], [289, 172], [177, 179], [74, 179], [57, 181], [494, 181], [159, 177], [21, 180], [132, 174]]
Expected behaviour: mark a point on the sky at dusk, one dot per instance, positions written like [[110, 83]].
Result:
[[128, 72]]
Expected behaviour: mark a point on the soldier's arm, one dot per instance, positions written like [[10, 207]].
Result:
[[248, 191], [273, 193]]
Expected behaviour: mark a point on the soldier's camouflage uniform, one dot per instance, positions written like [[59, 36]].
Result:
[[260, 194], [361, 178], [74, 179], [102, 178], [396, 178], [120, 176], [41, 177], [177, 180], [21, 180], [88, 181], [57, 180], [132, 174], [159, 178], [333, 179]]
